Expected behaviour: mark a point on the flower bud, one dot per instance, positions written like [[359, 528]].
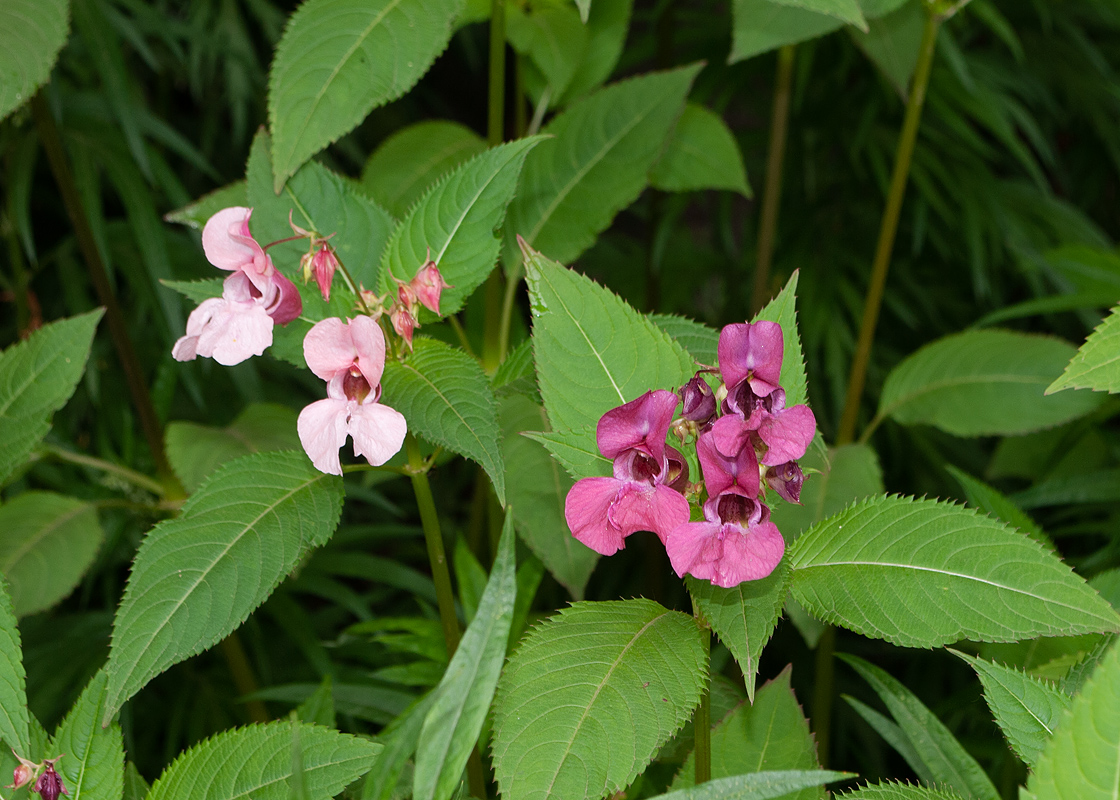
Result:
[[49, 786], [427, 286], [323, 264], [699, 403], [404, 322], [786, 479], [24, 773]]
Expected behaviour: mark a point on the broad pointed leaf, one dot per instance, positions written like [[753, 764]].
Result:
[[197, 577], [759, 26], [197, 213], [47, 542], [701, 154], [899, 791], [949, 572], [575, 450], [844, 10], [628, 672], [892, 42], [756, 786], [199, 290], [256, 762], [553, 37], [454, 224], [983, 383], [13, 693], [607, 25], [783, 310], [338, 60], [452, 726], [1097, 364], [93, 767], [31, 34]]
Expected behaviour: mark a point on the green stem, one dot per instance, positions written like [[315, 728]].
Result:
[[874, 299], [118, 329], [133, 477], [513, 280], [495, 124], [771, 198], [822, 693], [702, 718], [243, 678]]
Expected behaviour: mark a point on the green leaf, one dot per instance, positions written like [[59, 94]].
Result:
[[894, 736], [771, 732], [939, 750], [744, 617], [607, 25], [1097, 364], [844, 10], [553, 37], [47, 542], [1026, 708], [517, 374], [197, 577], [446, 398], [256, 761], [32, 33], [695, 337], [629, 667], [850, 472], [406, 165], [576, 451], [1079, 673], [452, 726], [318, 708], [14, 729], [596, 164], [783, 310], [701, 154], [37, 377], [340, 59], [197, 213], [196, 450], [899, 791], [198, 290], [593, 351], [455, 222], [537, 488], [399, 739], [949, 572], [983, 383], [756, 786], [759, 26], [982, 496], [93, 767], [892, 42], [135, 787], [1098, 486], [1082, 759]]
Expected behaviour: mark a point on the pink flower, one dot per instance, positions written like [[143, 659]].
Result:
[[751, 355], [404, 322], [784, 433], [737, 542], [427, 285], [320, 264], [237, 325], [602, 512], [350, 357]]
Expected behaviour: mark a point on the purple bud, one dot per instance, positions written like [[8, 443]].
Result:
[[786, 480], [49, 786], [677, 475], [699, 402]]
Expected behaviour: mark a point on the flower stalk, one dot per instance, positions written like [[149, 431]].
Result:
[[702, 718]]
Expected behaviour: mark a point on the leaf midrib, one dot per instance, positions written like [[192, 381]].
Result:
[[32, 377]]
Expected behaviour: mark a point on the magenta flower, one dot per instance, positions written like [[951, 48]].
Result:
[[602, 512], [350, 357], [750, 355], [784, 433], [237, 325], [49, 785]]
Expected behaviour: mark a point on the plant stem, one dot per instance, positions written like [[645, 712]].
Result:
[[874, 298], [133, 477], [771, 198], [702, 718], [243, 677], [495, 123], [822, 693], [118, 329], [513, 280]]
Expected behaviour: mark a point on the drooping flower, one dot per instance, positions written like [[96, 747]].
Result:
[[698, 403], [786, 479], [23, 773], [427, 285], [350, 357], [49, 786], [237, 325], [404, 322], [602, 512], [320, 263]]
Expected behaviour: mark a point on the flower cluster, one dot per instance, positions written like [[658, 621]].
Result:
[[47, 782], [424, 289], [746, 441]]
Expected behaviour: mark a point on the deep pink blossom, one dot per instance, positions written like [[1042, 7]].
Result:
[[751, 354], [350, 357], [321, 264], [602, 512], [698, 403], [784, 433], [786, 479], [737, 542], [49, 785]]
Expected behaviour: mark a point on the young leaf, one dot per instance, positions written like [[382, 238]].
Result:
[[1097, 364], [199, 212], [1026, 708], [197, 577], [93, 767], [697, 338], [942, 754], [701, 154], [537, 488], [452, 726], [850, 472], [756, 786], [454, 223], [629, 667], [406, 165], [256, 761], [983, 383], [769, 732], [338, 60], [607, 25], [31, 34], [47, 542], [899, 791], [135, 787], [37, 377], [196, 450], [1082, 759], [593, 351], [446, 398], [744, 617], [893, 42], [949, 572], [596, 164], [758, 26], [783, 310], [14, 729]]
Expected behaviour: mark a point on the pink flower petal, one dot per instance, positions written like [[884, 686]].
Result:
[[726, 554], [223, 242], [322, 431], [643, 423], [722, 472], [730, 434], [369, 346], [378, 431], [585, 510], [235, 332], [641, 507], [288, 304], [787, 434], [186, 348], [751, 351], [328, 348]]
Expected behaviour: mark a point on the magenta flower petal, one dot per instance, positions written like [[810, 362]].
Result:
[[725, 554], [642, 423], [730, 434], [787, 480], [641, 507], [585, 510], [369, 348], [787, 434], [226, 240], [322, 431], [721, 473], [287, 304], [751, 352], [378, 432]]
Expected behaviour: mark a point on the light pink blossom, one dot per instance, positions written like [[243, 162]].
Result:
[[427, 285], [350, 357]]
